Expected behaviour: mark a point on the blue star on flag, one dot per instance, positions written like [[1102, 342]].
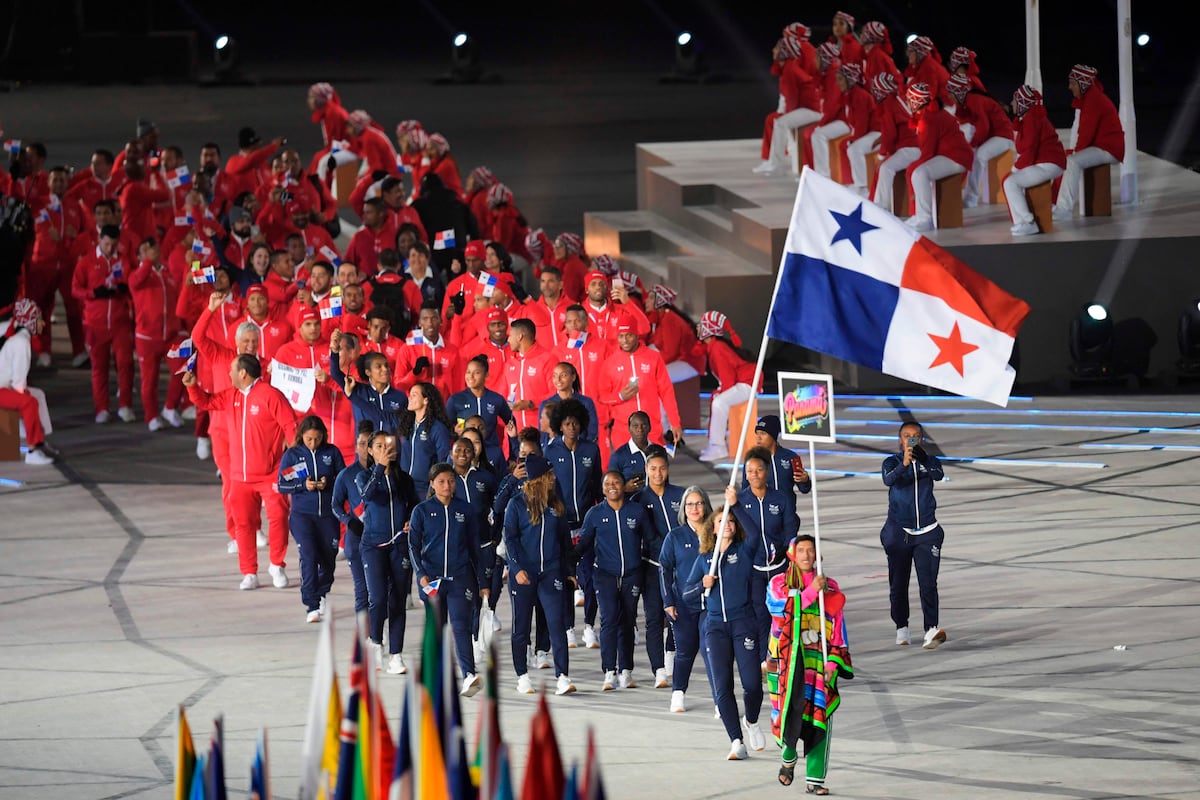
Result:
[[851, 228]]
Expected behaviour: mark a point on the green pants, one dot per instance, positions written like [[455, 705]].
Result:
[[816, 761]]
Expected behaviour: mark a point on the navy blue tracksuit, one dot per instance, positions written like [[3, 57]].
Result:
[[663, 515], [617, 537], [443, 541], [388, 501], [510, 487], [730, 633], [347, 507], [428, 444], [779, 475], [578, 478], [312, 521], [773, 524], [679, 553], [542, 551], [492, 407], [911, 535], [382, 409], [478, 490]]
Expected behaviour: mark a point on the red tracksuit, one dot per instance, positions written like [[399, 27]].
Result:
[[574, 271], [328, 401], [53, 269], [137, 209], [374, 147], [505, 225], [245, 173], [986, 115], [364, 249], [675, 339], [1037, 141], [446, 373], [155, 291], [277, 226], [938, 134], [237, 251], [929, 70], [550, 322], [1099, 123], [332, 118], [497, 356], [877, 62], [726, 365], [527, 377], [212, 371], [895, 126], [588, 360], [604, 322], [88, 191], [110, 323], [260, 425], [391, 347], [272, 334], [445, 168], [655, 392]]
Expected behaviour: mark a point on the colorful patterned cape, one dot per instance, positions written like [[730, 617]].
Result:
[[795, 642]]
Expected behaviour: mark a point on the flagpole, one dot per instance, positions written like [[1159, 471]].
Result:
[[812, 458], [758, 372]]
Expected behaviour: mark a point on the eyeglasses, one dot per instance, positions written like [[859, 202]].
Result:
[[693, 505]]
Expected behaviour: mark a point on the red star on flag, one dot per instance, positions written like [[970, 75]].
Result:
[[952, 349]]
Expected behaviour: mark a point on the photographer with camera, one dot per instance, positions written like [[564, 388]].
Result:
[[911, 533]]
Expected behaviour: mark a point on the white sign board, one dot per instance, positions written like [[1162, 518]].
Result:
[[298, 385], [806, 407]]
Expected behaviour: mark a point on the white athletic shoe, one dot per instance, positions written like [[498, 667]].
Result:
[[754, 735], [396, 665], [155, 424], [737, 751], [172, 417], [43, 360], [231, 548], [541, 660], [525, 684], [765, 168], [375, 654], [1063, 214], [637, 636], [902, 637], [610, 681], [713, 453], [1025, 229], [203, 445], [249, 581], [678, 706], [313, 616], [564, 686], [579, 598], [188, 414], [590, 639], [80, 360], [625, 679], [472, 683], [279, 578], [126, 414], [102, 417], [260, 540], [934, 637], [572, 641], [660, 678], [38, 458]]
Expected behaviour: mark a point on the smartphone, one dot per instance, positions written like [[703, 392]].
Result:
[[797, 463], [913, 441], [639, 479]]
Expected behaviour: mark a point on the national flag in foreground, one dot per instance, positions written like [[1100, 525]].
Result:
[[319, 751], [487, 282], [186, 219], [432, 587], [544, 770], [260, 771], [858, 284], [576, 341], [334, 307], [332, 257], [415, 337], [443, 240], [189, 365], [185, 758], [182, 350], [179, 177], [299, 470]]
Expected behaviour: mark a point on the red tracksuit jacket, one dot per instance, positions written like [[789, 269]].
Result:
[[155, 293], [374, 147], [675, 339], [587, 360], [986, 115], [107, 313], [49, 222], [261, 426], [272, 335], [727, 366], [137, 209], [527, 376], [550, 322], [1037, 141], [366, 245], [1099, 123], [895, 126], [445, 370], [654, 384], [938, 134]]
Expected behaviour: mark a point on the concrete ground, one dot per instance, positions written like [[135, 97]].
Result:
[[119, 603]]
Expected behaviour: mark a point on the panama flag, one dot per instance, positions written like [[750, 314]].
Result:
[[487, 282], [334, 307], [179, 177], [443, 240], [576, 341], [13, 146], [202, 275], [298, 471], [186, 219], [858, 284], [414, 337], [182, 350], [431, 588], [331, 255]]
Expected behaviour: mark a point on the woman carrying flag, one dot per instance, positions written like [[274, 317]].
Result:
[[307, 472], [809, 653]]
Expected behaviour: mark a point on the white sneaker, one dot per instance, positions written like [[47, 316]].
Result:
[[172, 417], [1025, 229], [525, 684], [188, 414], [102, 417], [754, 736], [934, 637], [260, 540], [231, 548], [43, 360], [677, 704], [541, 660], [396, 665], [564, 686], [341, 554], [313, 616], [203, 446], [279, 578], [714, 453], [1062, 214], [610, 681], [590, 639], [716, 712], [375, 654], [472, 683], [765, 168], [572, 642], [155, 424], [37, 458], [902, 637], [637, 636], [249, 581], [625, 679], [737, 751], [125, 413], [660, 678], [579, 598], [81, 359]]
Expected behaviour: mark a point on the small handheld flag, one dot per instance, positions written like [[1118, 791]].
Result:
[[331, 255], [298, 472], [202, 275], [43, 216], [118, 271], [179, 177], [334, 309], [182, 350], [189, 365], [13, 146], [443, 240], [186, 219], [432, 587], [414, 337], [576, 341], [198, 247], [488, 281]]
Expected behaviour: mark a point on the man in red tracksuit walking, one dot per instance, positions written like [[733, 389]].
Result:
[[101, 283], [155, 292], [635, 379], [52, 269], [261, 425], [527, 373]]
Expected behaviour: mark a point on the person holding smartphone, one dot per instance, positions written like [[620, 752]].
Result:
[[911, 535], [786, 471]]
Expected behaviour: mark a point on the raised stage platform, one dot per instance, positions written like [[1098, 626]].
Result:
[[708, 226]]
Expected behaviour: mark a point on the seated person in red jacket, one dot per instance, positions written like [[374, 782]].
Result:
[[673, 334], [852, 118], [962, 62], [733, 373], [1040, 157], [944, 152], [987, 128], [1099, 136], [897, 139], [799, 101]]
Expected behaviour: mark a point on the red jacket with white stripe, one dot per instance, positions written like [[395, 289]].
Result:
[[588, 360], [727, 366], [102, 313], [261, 425], [155, 292], [445, 370], [527, 376], [654, 387]]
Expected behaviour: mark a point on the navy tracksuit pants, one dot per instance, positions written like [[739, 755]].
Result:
[[543, 591], [652, 606], [729, 643], [458, 594], [686, 630], [617, 598], [354, 559], [903, 551], [389, 574], [317, 543]]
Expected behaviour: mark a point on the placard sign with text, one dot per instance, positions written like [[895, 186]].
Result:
[[806, 407]]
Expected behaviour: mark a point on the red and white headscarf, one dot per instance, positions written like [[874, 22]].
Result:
[[958, 86], [359, 120], [407, 126], [418, 138], [960, 57], [606, 265], [1025, 98], [440, 145], [321, 93], [714, 323], [26, 315], [853, 73], [874, 32], [798, 30], [922, 46], [571, 242], [632, 282], [846, 18], [918, 96], [483, 178], [789, 47], [663, 296], [1084, 75], [827, 53], [533, 243], [499, 195], [882, 85]]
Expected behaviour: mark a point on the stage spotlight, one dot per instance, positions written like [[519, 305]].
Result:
[[464, 59], [1143, 39], [1091, 340], [225, 57], [690, 63], [910, 38]]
